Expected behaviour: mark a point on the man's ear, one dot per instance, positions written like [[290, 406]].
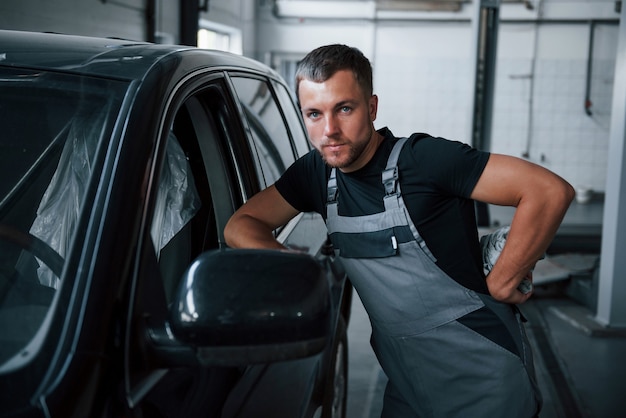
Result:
[[373, 107]]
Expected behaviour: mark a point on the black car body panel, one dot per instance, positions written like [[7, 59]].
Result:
[[121, 162], [106, 57]]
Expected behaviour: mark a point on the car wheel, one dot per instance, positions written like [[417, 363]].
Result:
[[336, 390]]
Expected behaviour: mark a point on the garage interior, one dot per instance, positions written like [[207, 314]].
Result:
[[543, 80]]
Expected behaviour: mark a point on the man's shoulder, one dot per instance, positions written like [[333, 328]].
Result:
[[424, 140], [418, 136], [427, 153], [413, 139], [429, 146]]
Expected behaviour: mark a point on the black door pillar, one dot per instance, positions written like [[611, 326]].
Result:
[[485, 24], [189, 17]]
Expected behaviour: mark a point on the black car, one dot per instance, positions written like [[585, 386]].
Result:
[[120, 164]]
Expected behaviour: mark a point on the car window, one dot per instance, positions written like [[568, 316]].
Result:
[[294, 119], [52, 126], [270, 136], [184, 221]]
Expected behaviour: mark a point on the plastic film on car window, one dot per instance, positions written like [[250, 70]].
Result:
[[177, 199], [59, 208]]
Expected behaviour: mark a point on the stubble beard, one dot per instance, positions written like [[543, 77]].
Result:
[[355, 150]]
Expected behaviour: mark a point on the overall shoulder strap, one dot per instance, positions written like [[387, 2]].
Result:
[[331, 187], [390, 175]]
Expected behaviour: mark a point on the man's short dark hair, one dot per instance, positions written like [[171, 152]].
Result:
[[322, 63]]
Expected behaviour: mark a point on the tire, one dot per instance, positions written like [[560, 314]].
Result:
[[336, 390]]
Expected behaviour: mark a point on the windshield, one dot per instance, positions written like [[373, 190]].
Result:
[[51, 126]]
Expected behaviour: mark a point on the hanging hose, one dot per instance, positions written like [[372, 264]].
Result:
[[588, 103]]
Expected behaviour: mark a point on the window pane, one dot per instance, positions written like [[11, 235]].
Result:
[[269, 133], [292, 114], [52, 126]]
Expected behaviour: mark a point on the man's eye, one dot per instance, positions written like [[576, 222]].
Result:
[[313, 115], [346, 109]]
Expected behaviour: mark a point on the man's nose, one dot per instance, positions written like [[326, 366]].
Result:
[[331, 127]]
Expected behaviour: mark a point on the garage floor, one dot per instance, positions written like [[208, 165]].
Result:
[[366, 380], [581, 367]]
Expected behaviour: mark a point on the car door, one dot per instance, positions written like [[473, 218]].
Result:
[[191, 194]]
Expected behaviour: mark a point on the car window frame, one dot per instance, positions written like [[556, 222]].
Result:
[[247, 123], [301, 145]]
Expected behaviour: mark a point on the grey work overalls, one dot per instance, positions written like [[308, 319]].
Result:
[[436, 366]]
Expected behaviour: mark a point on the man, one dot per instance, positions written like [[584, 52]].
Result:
[[450, 340]]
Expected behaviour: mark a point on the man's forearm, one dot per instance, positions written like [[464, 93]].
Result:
[[532, 230], [247, 232], [253, 224]]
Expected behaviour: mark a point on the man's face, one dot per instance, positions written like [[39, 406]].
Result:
[[339, 120]]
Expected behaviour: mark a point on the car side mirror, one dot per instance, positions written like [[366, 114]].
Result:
[[252, 306]]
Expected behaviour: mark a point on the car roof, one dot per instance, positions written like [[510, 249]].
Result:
[[108, 57]]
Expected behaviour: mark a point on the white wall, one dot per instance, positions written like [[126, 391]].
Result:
[[423, 66], [423, 79], [296, 36], [539, 108]]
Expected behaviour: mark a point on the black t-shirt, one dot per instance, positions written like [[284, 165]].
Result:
[[436, 177]]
